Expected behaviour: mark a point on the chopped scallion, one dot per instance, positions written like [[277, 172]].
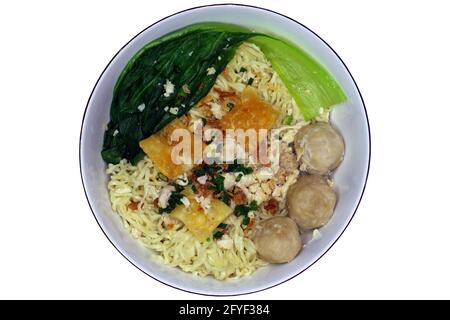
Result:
[[218, 234]]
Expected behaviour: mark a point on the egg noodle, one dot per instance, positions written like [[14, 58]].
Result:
[[142, 183]]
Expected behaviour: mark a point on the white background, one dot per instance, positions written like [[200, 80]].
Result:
[[51, 55]]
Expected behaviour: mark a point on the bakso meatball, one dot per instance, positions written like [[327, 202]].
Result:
[[277, 239], [320, 147], [310, 201]]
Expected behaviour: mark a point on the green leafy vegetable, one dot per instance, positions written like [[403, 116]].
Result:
[[226, 198], [253, 205], [162, 177], [142, 92], [246, 220], [218, 234], [238, 167], [138, 158], [288, 120], [209, 169], [220, 231], [310, 84], [200, 171], [250, 81], [178, 188], [243, 210], [194, 189], [218, 183], [174, 200]]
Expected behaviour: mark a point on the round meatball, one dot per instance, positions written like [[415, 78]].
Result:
[[320, 147], [277, 239], [310, 202]]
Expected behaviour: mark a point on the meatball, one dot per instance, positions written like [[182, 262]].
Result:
[[277, 239], [320, 147], [310, 202]]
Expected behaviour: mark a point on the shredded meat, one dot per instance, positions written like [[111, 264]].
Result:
[[288, 160], [133, 205], [225, 94], [271, 206], [213, 122], [249, 226], [203, 189], [169, 226], [239, 196]]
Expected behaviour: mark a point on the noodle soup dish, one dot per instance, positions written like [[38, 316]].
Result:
[[223, 147]]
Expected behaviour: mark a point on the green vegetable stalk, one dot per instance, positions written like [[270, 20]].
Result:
[[310, 84]]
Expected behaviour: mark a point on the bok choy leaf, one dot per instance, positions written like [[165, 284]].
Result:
[[151, 90], [309, 83]]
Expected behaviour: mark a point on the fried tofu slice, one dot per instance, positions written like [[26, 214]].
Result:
[[202, 223], [159, 147], [251, 112]]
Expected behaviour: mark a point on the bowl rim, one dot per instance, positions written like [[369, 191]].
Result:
[[338, 236]]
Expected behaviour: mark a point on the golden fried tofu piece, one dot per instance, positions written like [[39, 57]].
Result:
[[159, 147], [251, 112], [199, 222]]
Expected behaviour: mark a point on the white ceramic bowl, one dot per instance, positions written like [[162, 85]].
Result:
[[350, 177]]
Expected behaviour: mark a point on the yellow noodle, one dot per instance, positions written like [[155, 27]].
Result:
[[140, 183]]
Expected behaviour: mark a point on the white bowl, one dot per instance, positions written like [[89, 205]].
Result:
[[350, 177]]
